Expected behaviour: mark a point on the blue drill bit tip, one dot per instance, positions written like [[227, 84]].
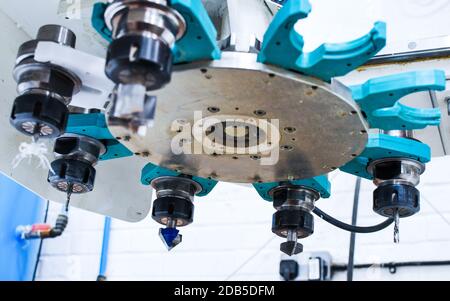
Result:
[[170, 237]]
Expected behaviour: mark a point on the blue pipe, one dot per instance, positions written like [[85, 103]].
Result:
[[105, 248]]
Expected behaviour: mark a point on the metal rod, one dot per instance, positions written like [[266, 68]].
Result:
[[351, 253], [409, 56]]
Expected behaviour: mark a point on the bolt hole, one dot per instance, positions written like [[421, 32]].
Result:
[[314, 87], [287, 148], [353, 112], [255, 157], [363, 132], [214, 109], [364, 114], [204, 70], [290, 129], [271, 75], [260, 113]]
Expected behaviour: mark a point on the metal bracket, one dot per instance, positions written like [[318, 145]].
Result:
[[382, 146], [327, 61], [319, 184], [199, 41], [151, 172], [94, 126], [379, 99]]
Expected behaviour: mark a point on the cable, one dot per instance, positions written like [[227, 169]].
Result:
[[350, 228], [392, 266], [38, 258], [351, 251], [268, 8]]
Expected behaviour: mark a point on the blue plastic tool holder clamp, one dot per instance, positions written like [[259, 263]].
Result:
[[95, 126], [152, 172], [199, 41], [319, 184], [283, 46], [379, 99], [383, 146]]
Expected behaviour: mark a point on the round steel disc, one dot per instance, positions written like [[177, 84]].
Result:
[[252, 123]]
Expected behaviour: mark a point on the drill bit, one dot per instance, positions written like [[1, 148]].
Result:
[[396, 227], [69, 196], [170, 236], [36, 137], [291, 246]]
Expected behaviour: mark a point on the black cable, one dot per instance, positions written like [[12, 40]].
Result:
[[351, 250], [60, 226], [350, 228], [392, 266], [268, 8], [36, 265]]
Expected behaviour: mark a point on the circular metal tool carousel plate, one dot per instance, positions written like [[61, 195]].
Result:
[[236, 120]]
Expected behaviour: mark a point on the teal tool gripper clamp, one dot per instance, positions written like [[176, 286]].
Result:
[[381, 146], [319, 184], [199, 41], [379, 99], [152, 172], [95, 126], [283, 46]]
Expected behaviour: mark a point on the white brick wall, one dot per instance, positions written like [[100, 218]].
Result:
[[232, 227]]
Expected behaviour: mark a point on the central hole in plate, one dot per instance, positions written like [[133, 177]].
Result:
[[236, 134]]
